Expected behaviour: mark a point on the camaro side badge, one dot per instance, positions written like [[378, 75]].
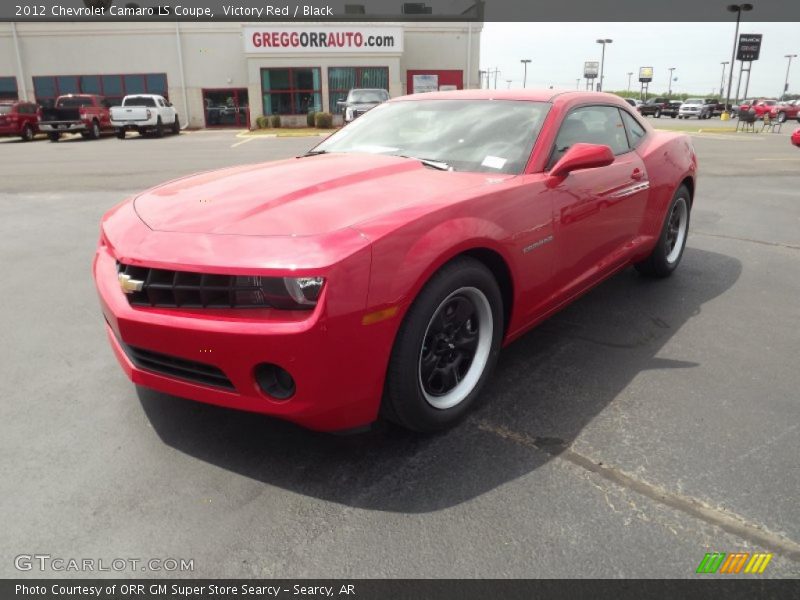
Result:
[[535, 245], [129, 285]]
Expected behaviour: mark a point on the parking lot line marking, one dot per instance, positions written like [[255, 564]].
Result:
[[791, 159], [728, 521], [743, 239], [244, 141]]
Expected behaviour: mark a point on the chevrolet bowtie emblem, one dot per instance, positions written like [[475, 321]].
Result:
[[129, 285]]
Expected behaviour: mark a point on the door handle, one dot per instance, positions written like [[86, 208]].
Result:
[[637, 174]]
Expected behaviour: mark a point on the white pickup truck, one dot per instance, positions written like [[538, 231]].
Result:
[[144, 113]]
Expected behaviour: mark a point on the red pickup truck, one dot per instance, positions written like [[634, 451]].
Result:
[[784, 111], [87, 114], [19, 119]]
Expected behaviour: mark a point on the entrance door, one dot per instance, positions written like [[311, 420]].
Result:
[[226, 107]]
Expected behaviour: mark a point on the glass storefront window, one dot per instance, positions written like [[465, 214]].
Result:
[[343, 79], [113, 87], [291, 91], [8, 88]]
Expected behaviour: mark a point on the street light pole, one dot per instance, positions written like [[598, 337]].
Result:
[[786, 81], [738, 9], [508, 81], [603, 59], [669, 88], [525, 62], [629, 80], [578, 83], [722, 81]]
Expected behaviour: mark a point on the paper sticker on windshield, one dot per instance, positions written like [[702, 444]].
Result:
[[493, 162]]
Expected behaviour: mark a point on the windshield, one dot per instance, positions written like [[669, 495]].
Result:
[[486, 136], [367, 96], [74, 102], [139, 101], [5, 109]]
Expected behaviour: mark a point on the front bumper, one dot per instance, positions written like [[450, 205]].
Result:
[[338, 364]]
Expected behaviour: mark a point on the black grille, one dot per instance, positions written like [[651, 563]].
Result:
[[166, 288], [179, 368]]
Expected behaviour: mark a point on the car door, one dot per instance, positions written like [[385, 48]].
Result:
[[597, 212]]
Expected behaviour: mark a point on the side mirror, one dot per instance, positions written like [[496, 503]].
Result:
[[582, 156]]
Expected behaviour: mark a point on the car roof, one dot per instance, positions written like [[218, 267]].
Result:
[[531, 95]]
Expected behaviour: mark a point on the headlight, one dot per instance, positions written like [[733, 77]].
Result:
[[288, 293]]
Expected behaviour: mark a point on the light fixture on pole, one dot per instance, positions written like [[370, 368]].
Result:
[[602, 60], [724, 63], [786, 81], [669, 90], [738, 9], [508, 81], [525, 62]]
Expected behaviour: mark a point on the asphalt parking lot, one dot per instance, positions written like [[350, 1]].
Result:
[[645, 425]]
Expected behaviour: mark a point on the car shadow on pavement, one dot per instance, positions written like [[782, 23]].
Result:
[[548, 386]]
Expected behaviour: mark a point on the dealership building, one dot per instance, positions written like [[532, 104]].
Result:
[[228, 73]]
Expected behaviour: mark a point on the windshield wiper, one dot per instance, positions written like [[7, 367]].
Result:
[[312, 153], [429, 162]]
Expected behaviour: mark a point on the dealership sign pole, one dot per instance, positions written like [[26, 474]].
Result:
[[590, 70], [645, 77], [737, 8], [748, 50]]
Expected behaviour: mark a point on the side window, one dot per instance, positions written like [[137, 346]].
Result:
[[636, 132], [591, 125]]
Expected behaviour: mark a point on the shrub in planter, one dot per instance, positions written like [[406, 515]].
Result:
[[323, 120], [310, 118], [262, 122], [275, 121]]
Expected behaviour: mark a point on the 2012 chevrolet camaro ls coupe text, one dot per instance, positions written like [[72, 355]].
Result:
[[380, 273]]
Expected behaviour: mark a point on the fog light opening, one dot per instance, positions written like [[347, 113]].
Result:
[[275, 381]]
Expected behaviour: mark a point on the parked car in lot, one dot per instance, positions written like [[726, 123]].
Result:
[[634, 102], [796, 137], [695, 107], [760, 106], [783, 111], [86, 114], [657, 107], [360, 101], [19, 119], [381, 272], [653, 107], [145, 113]]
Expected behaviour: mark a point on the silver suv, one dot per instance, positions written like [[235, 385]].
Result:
[[695, 107], [360, 101]]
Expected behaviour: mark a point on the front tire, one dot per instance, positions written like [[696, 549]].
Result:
[[53, 136], [121, 133], [94, 132], [27, 133], [657, 114], [446, 348], [667, 254], [176, 126], [159, 131], [782, 117]]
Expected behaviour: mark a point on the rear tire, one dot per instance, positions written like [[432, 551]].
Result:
[[27, 133], [159, 128], [176, 126], [94, 132], [667, 254], [657, 114], [446, 348], [782, 117], [54, 136], [121, 133]]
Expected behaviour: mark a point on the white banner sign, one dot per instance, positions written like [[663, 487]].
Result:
[[274, 39], [425, 83]]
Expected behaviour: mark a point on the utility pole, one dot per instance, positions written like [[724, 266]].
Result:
[[603, 41], [786, 81], [669, 91], [525, 62], [629, 80], [722, 81]]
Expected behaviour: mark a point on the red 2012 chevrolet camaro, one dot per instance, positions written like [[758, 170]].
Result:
[[380, 273]]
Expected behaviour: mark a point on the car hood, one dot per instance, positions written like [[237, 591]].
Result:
[[299, 197]]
